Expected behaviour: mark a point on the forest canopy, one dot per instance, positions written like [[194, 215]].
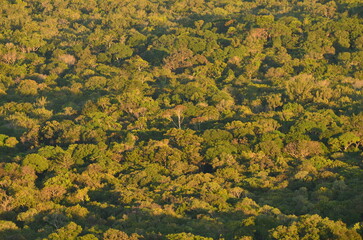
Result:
[[181, 119]]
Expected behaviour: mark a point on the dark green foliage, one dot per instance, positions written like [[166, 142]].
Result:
[[218, 119]]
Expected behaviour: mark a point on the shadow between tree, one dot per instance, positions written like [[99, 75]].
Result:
[[131, 220]]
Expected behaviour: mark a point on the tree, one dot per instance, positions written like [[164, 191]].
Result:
[[273, 101], [187, 142], [186, 236], [180, 58], [314, 227], [299, 87], [28, 87], [178, 112], [120, 51], [70, 231], [344, 141], [8, 141], [271, 146], [39, 163], [114, 234], [8, 228], [303, 148]]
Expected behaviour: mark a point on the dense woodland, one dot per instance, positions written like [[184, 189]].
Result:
[[181, 119]]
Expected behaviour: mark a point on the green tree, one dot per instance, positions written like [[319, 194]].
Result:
[[28, 87], [344, 141], [314, 227], [70, 231], [38, 162], [114, 234], [120, 51]]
